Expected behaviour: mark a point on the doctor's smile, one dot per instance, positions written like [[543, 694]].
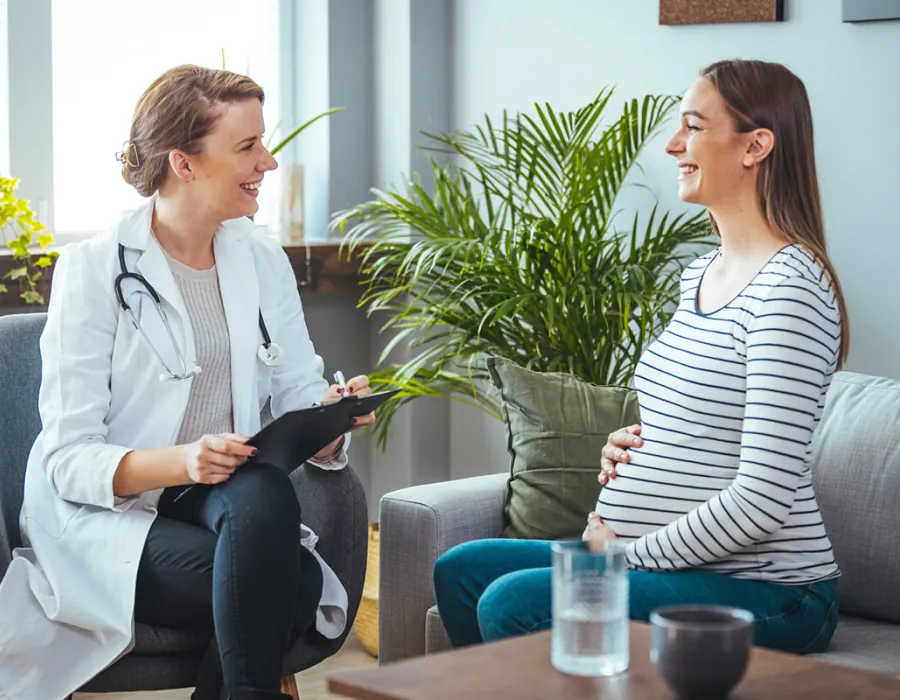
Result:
[[252, 188], [166, 337]]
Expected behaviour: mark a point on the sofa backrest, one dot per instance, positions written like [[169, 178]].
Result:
[[856, 475], [20, 381]]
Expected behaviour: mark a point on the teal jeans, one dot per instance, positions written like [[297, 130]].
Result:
[[491, 589]]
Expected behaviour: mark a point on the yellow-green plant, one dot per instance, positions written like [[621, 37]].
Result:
[[19, 226]]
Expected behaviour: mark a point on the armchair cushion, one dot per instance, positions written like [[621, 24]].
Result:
[[556, 425]]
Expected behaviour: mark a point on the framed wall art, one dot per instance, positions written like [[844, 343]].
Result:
[[674, 12]]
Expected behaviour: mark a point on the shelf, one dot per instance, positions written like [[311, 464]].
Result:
[[320, 267]]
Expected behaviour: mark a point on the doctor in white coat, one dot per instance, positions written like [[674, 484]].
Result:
[[140, 399]]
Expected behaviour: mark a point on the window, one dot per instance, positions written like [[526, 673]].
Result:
[[106, 53], [4, 90]]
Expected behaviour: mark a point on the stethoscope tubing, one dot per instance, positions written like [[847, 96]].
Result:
[[269, 353]]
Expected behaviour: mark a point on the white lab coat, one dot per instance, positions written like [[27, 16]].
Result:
[[67, 599]]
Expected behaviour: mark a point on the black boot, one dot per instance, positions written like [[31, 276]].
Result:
[[209, 678], [251, 694]]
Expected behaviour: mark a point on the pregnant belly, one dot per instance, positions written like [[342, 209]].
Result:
[[647, 495]]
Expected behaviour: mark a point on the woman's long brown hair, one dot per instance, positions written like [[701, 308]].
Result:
[[763, 95]]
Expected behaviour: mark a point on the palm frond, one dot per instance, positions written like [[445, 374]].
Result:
[[519, 248]]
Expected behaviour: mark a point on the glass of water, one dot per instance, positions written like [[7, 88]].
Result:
[[590, 609]]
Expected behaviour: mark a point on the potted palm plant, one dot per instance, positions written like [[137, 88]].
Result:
[[519, 248]]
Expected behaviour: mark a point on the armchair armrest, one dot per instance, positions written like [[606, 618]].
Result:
[[417, 525]]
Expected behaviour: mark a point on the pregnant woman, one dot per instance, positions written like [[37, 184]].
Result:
[[714, 497]]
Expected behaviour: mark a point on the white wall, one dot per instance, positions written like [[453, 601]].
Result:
[[513, 53]]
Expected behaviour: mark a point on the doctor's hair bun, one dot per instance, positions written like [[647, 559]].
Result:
[[175, 113]]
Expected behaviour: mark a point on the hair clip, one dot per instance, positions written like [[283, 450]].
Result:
[[125, 155]]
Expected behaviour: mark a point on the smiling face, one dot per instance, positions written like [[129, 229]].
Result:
[[716, 163], [226, 174]]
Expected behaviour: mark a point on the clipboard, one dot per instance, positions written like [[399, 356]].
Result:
[[293, 438], [290, 440]]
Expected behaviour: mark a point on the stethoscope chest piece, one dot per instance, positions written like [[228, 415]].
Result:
[[271, 354]]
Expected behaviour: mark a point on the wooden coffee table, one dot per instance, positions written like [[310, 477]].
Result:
[[520, 669]]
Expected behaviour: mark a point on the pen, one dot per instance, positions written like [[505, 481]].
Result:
[[339, 380]]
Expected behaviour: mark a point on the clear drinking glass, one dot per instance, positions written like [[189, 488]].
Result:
[[590, 609]]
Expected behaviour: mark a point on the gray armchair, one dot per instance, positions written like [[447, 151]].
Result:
[[333, 504], [417, 525]]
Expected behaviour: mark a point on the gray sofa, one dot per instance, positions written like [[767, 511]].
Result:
[[856, 468]]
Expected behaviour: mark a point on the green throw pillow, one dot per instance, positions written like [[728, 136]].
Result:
[[556, 425]]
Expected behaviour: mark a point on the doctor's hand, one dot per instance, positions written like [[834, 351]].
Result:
[[358, 386], [213, 458]]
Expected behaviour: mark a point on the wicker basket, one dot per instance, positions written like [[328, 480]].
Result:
[[367, 618]]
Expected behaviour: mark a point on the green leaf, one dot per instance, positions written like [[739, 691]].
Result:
[[44, 261], [45, 239], [32, 297], [18, 247], [3, 289], [16, 273], [291, 136]]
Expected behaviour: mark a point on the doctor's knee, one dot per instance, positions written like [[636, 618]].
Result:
[[264, 495]]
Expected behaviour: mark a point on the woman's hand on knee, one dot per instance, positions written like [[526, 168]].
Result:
[[213, 458], [616, 450]]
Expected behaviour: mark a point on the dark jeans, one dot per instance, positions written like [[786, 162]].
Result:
[[491, 589], [228, 557]]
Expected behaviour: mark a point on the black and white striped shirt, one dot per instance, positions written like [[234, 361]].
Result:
[[729, 402]]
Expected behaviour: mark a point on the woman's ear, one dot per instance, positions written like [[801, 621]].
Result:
[[181, 165], [760, 145]]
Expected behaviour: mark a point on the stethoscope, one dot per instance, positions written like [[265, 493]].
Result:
[[269, 353]]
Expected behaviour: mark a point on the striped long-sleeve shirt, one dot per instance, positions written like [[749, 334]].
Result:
[[729, 402]]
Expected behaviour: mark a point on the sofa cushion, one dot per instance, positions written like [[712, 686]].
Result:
[[856, 475], [436, 638], [556, 425], [865, 644]]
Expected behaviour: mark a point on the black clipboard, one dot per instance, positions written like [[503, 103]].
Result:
[[293, 438]]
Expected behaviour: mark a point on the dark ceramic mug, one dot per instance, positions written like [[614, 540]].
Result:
[[701, 651]]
